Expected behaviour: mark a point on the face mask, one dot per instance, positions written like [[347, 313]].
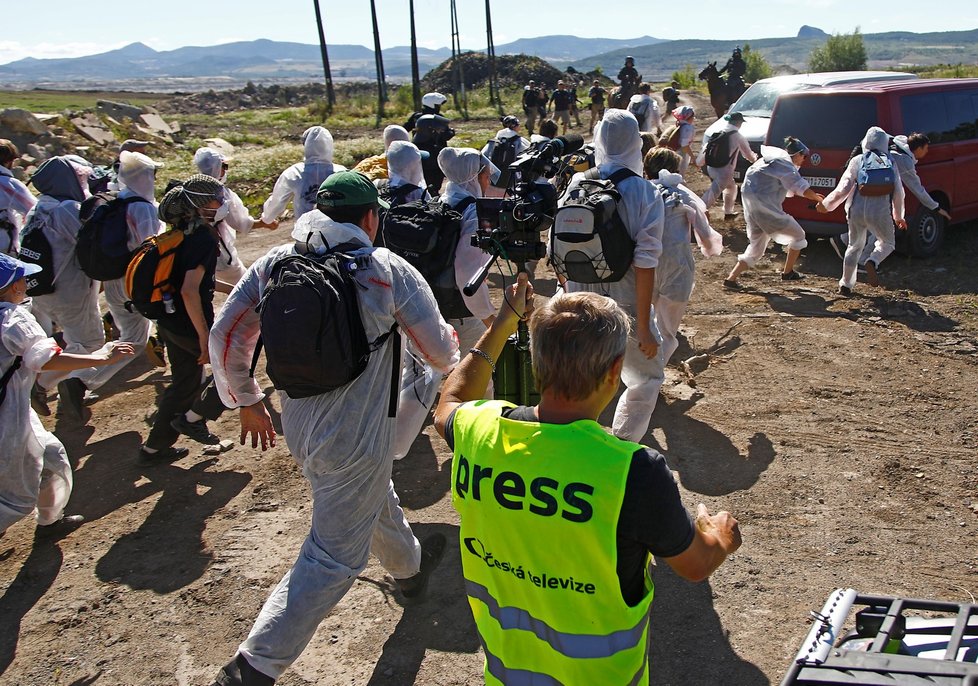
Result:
[[216, 215]]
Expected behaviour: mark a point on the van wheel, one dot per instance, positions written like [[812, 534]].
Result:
[[925, 233]]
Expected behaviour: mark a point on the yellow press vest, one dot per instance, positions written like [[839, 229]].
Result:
[[539, 505]]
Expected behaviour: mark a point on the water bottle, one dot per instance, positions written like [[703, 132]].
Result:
[[168, 306]]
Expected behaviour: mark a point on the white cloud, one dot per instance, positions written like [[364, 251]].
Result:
[[11, 51]]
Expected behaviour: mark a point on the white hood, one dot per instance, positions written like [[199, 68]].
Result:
[[904, 145], [137, 172], [461, 167], [318, 143], [395, 133], [209, 161], [617, 142], [876, 140], [404, 164], [771, 153]]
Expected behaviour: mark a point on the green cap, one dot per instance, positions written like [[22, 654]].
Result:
[[347, 188]]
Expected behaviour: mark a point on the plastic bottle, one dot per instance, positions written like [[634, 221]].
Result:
[[168, 305]]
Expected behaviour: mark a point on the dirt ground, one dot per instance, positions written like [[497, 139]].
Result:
[[842, 433]]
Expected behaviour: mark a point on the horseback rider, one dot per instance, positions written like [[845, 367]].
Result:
[[630, 80], [735, 69]]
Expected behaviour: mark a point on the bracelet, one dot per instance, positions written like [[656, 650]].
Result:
[[485, 356]]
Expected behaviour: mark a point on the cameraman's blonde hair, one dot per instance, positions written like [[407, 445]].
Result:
[[574, 340]]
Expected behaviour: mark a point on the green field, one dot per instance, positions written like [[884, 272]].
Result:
[[54, 101]]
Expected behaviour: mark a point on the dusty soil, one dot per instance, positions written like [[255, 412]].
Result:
[[843, 434]]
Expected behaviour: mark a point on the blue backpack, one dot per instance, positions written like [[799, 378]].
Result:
[[876, 176]]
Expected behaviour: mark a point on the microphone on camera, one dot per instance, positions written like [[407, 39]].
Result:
[[570, 143]]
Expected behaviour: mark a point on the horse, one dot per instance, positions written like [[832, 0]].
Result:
[[719, 97]]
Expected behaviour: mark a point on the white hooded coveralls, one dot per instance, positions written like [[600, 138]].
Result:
[[864, 214], [34, 470], [649, 117], [300, 182], [16, 201], [722, 178], [766, 185], [341, 439], [229, 268], [617, 145]]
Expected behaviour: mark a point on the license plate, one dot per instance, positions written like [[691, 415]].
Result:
[[820, 181]]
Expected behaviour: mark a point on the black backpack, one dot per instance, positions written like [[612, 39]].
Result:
[[426, 234], [717, 152], [589, 242], [36, 249], [504, 151], [102, 249], [311, 328]]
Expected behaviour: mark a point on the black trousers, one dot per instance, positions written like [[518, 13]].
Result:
[[185, 392]]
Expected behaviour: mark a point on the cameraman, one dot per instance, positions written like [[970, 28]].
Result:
[[618, 145], [558, 519]]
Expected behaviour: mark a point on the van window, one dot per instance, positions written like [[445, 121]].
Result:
[[828, 121], [758, 100], [926, 113], [961, 114]]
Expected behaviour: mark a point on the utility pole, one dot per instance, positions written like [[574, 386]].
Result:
[[330, 93], [379, 59], [415, 72], [494, 97], [457, 64]]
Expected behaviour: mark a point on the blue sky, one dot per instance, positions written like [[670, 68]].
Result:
[[80, 28]]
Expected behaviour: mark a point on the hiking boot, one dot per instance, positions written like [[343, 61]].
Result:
[[62, 527], [156, 352], [838, 246], [39, 400], [845, 290], [732, 285], [239, 672], [195, 431], [792, 276], [162, 456], [413, 588], [872, 278], [71, 394]]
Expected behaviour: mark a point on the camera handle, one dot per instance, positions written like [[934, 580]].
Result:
[[473, 284]]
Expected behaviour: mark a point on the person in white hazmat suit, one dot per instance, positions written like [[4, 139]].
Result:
[[722, 178], [342, 439], [766, 185], [63, 183], [136, 177], [375, 167], [300, 182], [685, 116], [685, 213], [232, 219], [35, 476], [618, 145], [16, 200], [405, 181], [867, 214], [646, 109]]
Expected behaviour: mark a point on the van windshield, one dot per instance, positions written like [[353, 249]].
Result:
[[824, 120], [758, 100]]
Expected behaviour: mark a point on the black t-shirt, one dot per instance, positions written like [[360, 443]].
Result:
[[562, 100], [199, 249], [652, 518], [597, 95]]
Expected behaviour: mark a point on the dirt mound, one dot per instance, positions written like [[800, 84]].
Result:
[[511, 70]]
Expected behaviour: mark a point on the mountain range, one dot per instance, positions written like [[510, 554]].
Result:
[[138, 66]]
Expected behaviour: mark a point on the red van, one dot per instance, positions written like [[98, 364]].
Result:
[[832, 121]]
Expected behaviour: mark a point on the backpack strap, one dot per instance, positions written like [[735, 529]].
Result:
[[398, 194], [463, 204], [7, 376], [620, 175]]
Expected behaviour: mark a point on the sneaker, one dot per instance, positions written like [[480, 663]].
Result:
[[413, 588], [71, 394], [732, 285], [156, 352], [62, 527], [845, 290], [163, 456], [792, 276], [39, 400], [195, 431], [838, 246], [872, 278], [239, 672]]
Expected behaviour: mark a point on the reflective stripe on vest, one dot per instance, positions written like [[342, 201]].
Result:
[[539, 507]]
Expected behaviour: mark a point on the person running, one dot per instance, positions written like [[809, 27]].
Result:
[[560, 101], [597, 94], [722, 182], [766, 185], [300, 182], [534, 100], [16, 200], [646, 109]]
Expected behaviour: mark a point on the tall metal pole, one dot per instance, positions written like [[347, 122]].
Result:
[[494, 97], [379, 59], [459, 71], [415, 72], [330, 93]]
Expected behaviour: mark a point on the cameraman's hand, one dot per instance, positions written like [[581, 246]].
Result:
[[517, 304]]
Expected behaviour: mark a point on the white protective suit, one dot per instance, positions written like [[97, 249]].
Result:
[[34, 471], [137, 174], [867, 214], [522, 145], [300, 182], [722, 178], [649, 116], [766, 185], [404, 168], [675, 275], [617, 145], [16, 201], [230, 268], [395, 132], [341, 439], [74, 303]]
